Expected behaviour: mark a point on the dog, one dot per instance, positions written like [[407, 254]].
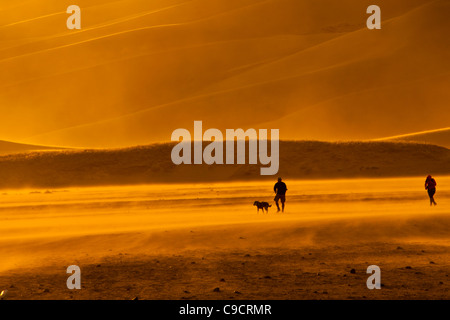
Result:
[[262, 205]]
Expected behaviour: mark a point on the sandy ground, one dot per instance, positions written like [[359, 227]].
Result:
[[184, 241]]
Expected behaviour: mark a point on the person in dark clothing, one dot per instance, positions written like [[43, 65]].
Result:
[[280, 191], [430, 185]]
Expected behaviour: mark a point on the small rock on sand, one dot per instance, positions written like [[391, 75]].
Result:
[[3, 294]]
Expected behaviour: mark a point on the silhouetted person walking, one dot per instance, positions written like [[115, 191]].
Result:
[[280, 190], [430, 185]]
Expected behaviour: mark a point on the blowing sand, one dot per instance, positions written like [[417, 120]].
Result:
[[311, 69], [183, 241]]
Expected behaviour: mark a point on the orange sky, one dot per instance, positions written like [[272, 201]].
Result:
[[139, 69]]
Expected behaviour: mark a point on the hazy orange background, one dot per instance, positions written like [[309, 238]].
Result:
[[139, 69]]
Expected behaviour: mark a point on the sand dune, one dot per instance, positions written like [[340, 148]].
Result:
[[439, 137], [8, 148], [153, 164], [293, 65]]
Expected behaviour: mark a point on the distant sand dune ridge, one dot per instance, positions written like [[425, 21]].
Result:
[[439, 137], [153, 164]]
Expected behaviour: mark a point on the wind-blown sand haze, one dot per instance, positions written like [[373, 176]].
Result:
[[137, 70], [180, 241], [87, 177]]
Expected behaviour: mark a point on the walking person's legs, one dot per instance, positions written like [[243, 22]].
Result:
[[431, 193], [277, 197]]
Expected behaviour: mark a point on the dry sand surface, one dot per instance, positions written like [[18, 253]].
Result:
[[183, 241]]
